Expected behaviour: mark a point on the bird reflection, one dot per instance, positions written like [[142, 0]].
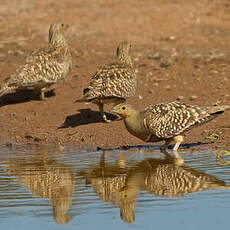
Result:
[[161, 177], [46, 178], [106, 180]]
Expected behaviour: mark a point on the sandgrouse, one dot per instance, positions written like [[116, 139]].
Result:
[[112, 83], [166, 121], [44, 67]]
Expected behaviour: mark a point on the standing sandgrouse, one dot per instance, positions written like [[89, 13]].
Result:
[[166, 121], [112, 83], [44, 67]]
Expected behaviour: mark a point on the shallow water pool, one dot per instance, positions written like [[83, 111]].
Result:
[[48, 188]]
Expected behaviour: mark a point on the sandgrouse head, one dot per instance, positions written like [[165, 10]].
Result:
[[57, 32], [123, 110], [124, 53]]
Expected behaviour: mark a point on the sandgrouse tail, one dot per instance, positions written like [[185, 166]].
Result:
[[112, 83], [44, 67], [166, 121]]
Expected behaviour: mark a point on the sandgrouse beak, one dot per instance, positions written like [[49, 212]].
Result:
[[112, 110]]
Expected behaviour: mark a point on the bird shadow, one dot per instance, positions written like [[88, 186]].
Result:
[[84, 117], [154, 147], [24, 95]]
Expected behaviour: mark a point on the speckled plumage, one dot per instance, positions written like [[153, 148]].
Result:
[[112, 83], [43, 67], [166, 121]]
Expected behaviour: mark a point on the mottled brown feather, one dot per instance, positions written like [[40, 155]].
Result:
[[117, 79], [44, 67], [166, 120]]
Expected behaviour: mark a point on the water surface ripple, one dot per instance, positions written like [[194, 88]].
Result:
[[49, 188]]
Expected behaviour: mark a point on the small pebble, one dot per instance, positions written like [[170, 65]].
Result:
[[214, 72], [10, 52], [192, 97], [156, 56], [167, 87], [172, 38], [149, 74], [196, 56], [174, 54], [150, 91], [140, 97], [18, 53], [164, 65], [180, 98], [78, 65], [216, 56]]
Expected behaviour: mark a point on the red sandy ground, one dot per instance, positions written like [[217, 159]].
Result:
[[181, 50]]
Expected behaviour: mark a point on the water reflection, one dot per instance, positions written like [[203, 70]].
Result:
[[46, 178], [119, 184], [67, 178]]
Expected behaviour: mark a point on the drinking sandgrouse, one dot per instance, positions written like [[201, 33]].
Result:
[[166, 121]]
